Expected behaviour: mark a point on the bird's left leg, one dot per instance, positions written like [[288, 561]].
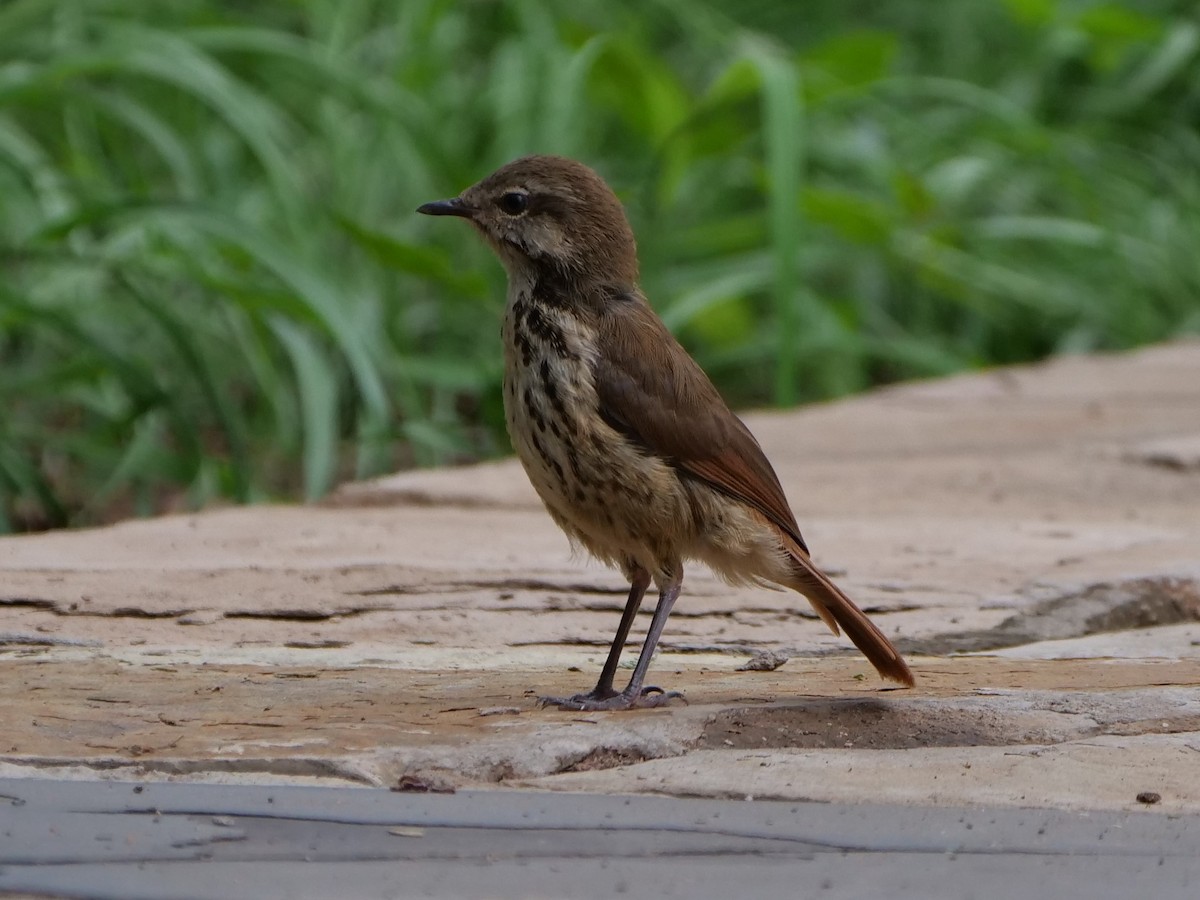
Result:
[[603, 691], [634, 696]]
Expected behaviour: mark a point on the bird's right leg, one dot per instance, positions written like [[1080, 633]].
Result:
[[635, 696], [640, 580]]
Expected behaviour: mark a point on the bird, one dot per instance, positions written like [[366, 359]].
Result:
[[630, 447]]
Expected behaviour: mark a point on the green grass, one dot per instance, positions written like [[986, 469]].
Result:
[[215, 287]]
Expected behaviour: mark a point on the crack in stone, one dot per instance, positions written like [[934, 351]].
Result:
[[137, 612], [28, 602], [1096, 609], [71, 609], [508, 584], [286, 767], [17, 639], [303, 615], [606, 758]]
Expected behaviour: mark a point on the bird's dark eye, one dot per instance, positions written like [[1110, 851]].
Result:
[[513, 203]]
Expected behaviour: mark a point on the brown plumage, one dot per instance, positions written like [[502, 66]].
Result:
[[631, 448]]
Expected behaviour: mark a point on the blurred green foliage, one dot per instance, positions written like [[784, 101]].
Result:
[[214, 285]]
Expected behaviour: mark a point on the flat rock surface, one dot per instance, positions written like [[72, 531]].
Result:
[[1030, 537]]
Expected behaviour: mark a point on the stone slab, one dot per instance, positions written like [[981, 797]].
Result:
[[1029, 536]]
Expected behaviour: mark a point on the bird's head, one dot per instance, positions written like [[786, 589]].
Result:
[[552, 215]]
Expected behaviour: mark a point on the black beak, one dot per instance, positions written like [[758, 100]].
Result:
[[451, 207]]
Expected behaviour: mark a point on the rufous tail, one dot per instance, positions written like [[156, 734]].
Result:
[[836, 609]]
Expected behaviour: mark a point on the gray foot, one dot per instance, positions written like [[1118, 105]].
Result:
[[646, 698]]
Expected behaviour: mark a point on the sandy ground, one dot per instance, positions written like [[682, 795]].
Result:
[[1029, 536]]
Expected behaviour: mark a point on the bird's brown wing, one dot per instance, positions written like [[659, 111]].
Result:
[[655, 394]]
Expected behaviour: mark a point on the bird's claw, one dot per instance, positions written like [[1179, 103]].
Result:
[[656, 696]]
